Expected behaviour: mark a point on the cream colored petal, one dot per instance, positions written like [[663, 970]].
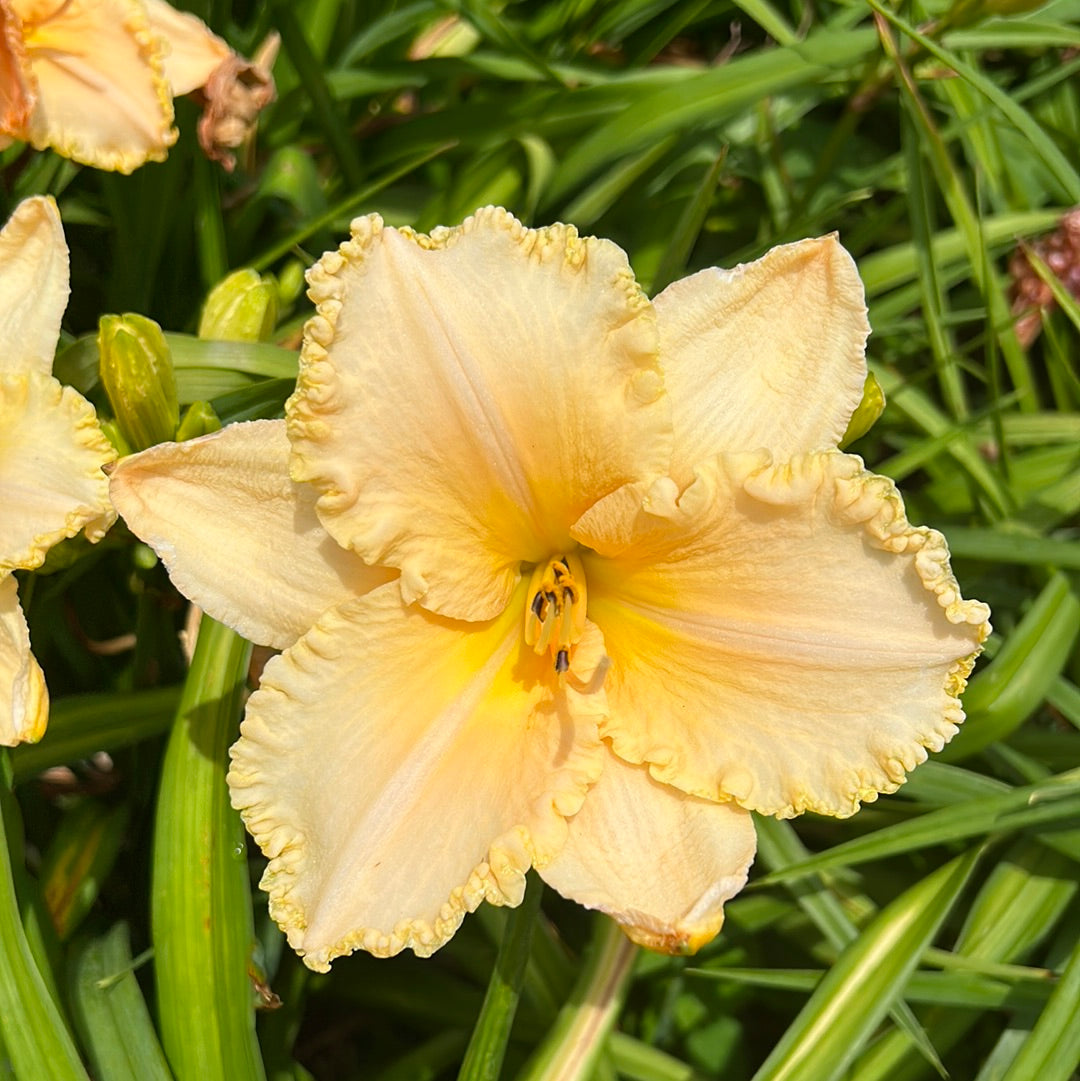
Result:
[[769, 355], [239, 538], [103, 97], [24, 701], [464, 397], [782, 637], [33, 285], [192, 49], [51, 457], [660, 862], [399, 768]]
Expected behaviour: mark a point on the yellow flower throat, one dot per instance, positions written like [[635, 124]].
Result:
[[555, 614]]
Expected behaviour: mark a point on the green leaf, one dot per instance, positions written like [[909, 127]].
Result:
[[870, 975], [201, 902], [484, 1055], [82, 724], [1057, 800], [110, 1012], [33, 1032], [1052, 1050], [1017, 680]]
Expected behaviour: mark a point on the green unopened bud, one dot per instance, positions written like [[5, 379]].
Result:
[[240, 308], [198, 419], [867, 412], [137, 372], [290, 282]]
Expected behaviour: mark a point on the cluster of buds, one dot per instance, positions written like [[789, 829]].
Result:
[[1031, 295], [136, 364]]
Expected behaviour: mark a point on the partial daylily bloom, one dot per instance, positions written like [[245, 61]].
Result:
[[562, 577], [233, 90], [95, 79], [51, 448]]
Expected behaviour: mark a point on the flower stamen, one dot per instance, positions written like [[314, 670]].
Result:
[[555, 615]]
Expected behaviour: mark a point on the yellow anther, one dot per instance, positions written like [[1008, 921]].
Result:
[[555, 614]]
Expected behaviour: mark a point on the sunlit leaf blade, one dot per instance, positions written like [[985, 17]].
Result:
[[1052, 1051], [1005, 693], [1054, 801], [202, 923], [869, 976]]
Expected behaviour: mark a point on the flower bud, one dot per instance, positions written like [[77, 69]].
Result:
[[198, 419], [137, 373], [240, 308], [867, 411], [290, 282]]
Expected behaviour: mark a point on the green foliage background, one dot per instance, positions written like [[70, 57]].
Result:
[[935, 931]]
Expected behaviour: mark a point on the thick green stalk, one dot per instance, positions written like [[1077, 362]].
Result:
[[572, 1047], [202, 926]]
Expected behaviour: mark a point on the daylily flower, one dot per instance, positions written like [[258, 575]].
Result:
[[563, 577], [95, 79], [51, 448]]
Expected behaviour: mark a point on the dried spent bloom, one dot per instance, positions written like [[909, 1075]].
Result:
[[563, 577], [51, 448], [1031, 296], [95, 79], [233, 90]]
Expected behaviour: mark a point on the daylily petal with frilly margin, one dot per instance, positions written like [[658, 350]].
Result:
[[767, 356], [660, 862], [51, 454], [51, 448], [464, 431], [780, 636], [398, 768], [271, 580], [191, 49], [24, 702], [102, 96], [33, 286]]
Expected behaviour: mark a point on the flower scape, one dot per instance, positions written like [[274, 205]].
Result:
[[51, 448], [562, 577]]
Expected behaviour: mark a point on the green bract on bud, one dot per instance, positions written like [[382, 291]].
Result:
[[199, 419], [867, 411], [137, 372], [240, 308]]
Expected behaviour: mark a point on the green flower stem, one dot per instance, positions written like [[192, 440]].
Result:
[[201, 907], [487, 1047], [576, 1040], [34, 1034]]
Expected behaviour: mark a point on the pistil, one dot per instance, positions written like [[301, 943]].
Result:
[[555, 615]]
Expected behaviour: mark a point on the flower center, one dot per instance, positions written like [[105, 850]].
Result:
[[555, 616]]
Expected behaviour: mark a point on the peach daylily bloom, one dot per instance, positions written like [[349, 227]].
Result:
[[51, 448], [95, 79], [562, 577]]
